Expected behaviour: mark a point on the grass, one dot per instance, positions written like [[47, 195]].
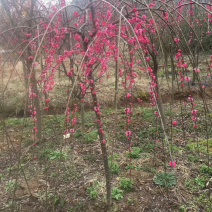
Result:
[[50, 154], [193, 158], [148, 114], [91, 136], [17, 122], [200, 146], [197, 183]]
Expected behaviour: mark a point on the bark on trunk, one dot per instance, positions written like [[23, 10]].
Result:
[[103, 145], [158, 93]]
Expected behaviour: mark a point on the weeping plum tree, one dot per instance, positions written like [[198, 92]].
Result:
[[84, 40], [18, 38]]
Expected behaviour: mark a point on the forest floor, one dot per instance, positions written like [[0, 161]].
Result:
[[68, 175]]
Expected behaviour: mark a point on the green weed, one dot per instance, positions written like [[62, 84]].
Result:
[[166, 179], [117, 194], [126, 184]]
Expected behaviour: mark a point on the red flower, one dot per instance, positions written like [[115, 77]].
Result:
[[174, 123], [76, 14]]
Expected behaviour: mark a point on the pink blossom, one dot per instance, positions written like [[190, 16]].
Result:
[[128, 95], [174, 123], [196, 70], [128, 133], [52, 82], [144, 17], [152, 4], [71, 130], [78, 45], [147, 59], [139, 100], [127, 110], [172, 163], [194, 118], [190, 99], [76, 14], [96, 109], [194, 112], [176, 40], [187, 79]]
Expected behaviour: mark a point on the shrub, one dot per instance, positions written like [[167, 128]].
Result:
[[117, 194], [166, 179], [135, 153], [126, 184], [93, 191], [207, 170]]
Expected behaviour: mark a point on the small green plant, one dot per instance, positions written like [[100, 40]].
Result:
[[205, 169], [10, 185], [117, 194], [193, 158], [204, 201], [130, 200], [59, 201], [1, 177], [122, 137], [56, 155], [148, 114], [91, 136], [182, 208], [201, 146], [166, 179], [175, 148], [196, 183], [77, 134], [130, 167], [78, 207], [114, 166], [11, 122], [22, 166], [12, 206], [169, 112], [43, 196], [200, 181], [93, 190], [135, 153], [126, 184], [54, 174]]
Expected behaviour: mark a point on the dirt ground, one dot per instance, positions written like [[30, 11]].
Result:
[[56, 174]]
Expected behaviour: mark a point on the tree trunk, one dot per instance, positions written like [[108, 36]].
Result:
[[82, 111], [38, 109], [102, 143], [116, 87], [157, 91]]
